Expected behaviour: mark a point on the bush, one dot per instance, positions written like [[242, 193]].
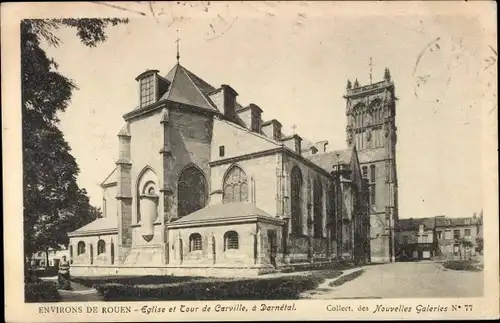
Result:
[[469, 265], [46, 272], [347, 278], [284, 287], [41, 292], [131, 280]]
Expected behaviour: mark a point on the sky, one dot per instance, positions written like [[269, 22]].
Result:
[[293, 60]]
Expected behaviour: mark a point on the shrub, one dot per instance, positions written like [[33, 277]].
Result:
[[284, 287], [131, 280], [469, 265], [41, 292], [347, 278]]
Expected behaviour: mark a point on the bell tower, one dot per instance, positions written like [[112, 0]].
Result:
[[371, 127]]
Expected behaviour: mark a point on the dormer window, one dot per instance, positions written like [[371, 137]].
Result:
[[147, 90], [151, 85], [256, 123]]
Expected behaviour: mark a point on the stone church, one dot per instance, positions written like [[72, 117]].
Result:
[[204, 186]]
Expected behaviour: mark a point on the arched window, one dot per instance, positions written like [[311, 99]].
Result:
[[80, 248], [101, 247], [318, 207], [296, 201], [235, 186], [365, 172], [191, 191], [231, 240], [372, 173], [70, 254], [195, 242], [146, 185], [91, 254]]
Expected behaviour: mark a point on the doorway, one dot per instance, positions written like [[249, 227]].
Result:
[[272, 246]]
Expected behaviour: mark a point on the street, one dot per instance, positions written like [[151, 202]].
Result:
[[406, 279]]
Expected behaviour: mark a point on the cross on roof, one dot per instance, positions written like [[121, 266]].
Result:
[[294, 127], [177, 41]]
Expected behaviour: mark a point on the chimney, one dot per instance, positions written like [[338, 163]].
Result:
[[321, 146], [251, 117], [272, 129], [293, 143], [225, 100]]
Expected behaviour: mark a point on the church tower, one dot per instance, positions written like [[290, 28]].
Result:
[[371, 127]]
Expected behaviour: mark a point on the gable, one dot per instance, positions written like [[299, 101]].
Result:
[[237, 141]]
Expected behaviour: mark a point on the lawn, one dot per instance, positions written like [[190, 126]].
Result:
[[205, 288]]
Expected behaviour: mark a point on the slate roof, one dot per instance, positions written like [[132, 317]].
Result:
[[329, 159], [414, 224], [187, 88], [451, 222], [224, 211], [102, 224]]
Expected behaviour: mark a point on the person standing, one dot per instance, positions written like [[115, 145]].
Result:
[[63, 276]]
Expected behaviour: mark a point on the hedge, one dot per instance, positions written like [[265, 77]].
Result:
[[131, 280], [283, 287], [41, 292], [469, 265]]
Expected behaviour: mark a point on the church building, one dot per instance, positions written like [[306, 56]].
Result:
[[203, 186]]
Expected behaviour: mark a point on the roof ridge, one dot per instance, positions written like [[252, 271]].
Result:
[[107, 177]]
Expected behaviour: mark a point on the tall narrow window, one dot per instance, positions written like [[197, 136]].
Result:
[[81, 248], [221, 151], [365, 172], [147, 90], [101, 247], [318, 207], [112, 252], [91, 254], [191, 191], [235, 186], [296, 200], [372, 184], [71, 254]]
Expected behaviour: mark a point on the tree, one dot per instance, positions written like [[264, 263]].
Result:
[[53, 202], [465, 245]]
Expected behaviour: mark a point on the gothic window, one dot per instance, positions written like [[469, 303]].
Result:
[[191, 191], [231, 240], [80, 248], [235, 186], [318, 207], [101, 247], [195, 243], [147, 90], [296, 200]]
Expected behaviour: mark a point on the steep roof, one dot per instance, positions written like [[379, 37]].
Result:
[[106, 224], [187, 88], [224, 211]]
